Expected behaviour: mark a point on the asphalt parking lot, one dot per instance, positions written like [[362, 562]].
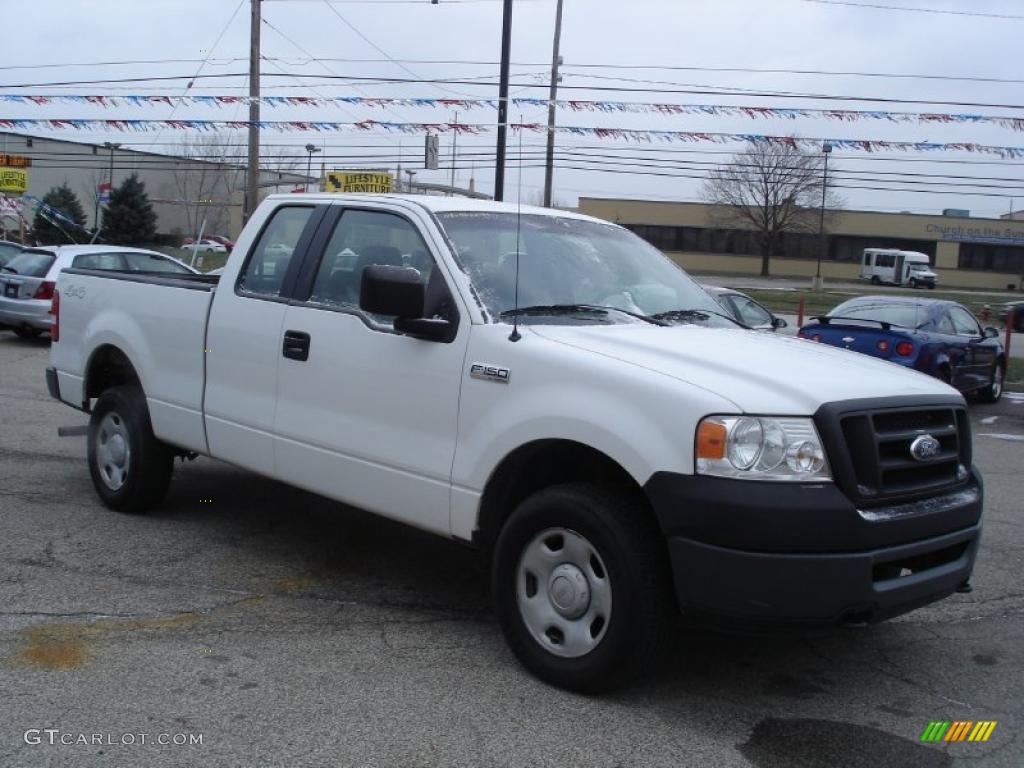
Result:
[[286, 630]]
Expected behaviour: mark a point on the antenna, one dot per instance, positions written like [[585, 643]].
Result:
[[515, 336]]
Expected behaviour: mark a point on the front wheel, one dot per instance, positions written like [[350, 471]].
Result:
[[994, 390], [130, 467], [581, 586], [913, 283]]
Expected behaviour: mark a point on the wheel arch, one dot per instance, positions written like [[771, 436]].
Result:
[[108, 366], [540, 464]]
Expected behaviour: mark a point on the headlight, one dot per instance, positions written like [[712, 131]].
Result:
[[761, 448]]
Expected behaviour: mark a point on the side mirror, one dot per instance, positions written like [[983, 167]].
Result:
[[399, 291], [778, 322], [991, 333]]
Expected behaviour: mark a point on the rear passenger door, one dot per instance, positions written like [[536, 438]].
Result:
[[366, 415], [243, 345]]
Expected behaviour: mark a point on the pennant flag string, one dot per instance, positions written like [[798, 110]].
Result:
[[574, 105], [647, 136]]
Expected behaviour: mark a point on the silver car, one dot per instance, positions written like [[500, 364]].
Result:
[[744, 309], [28, 280]]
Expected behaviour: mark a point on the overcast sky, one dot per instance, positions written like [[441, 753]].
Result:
[[745, 34]]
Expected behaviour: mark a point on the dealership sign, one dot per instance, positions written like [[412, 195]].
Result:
[[14, 173]]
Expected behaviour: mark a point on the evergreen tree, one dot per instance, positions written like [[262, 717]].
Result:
[[66, 201], [129, 218]]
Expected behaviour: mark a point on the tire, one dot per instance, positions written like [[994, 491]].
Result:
[[944, 375], [994, 390], [875, 280], [626, 602], [24, 332], [130, 467], [913, 282], [931, 286]]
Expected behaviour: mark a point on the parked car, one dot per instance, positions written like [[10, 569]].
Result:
[[895, 267], [940, 338], [745, 310], [578, 409], [9, 250], [205, 246], [27, 281], [1017, 307], [229, 244]]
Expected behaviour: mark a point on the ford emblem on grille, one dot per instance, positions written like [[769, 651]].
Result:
[[924, 448]]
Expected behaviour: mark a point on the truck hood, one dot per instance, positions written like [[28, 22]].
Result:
[[758, 372]]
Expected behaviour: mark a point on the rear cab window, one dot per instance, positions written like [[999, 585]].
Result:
[[31, 263]]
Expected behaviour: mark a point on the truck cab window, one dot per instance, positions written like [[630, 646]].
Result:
[[361, 239], [268, 262]]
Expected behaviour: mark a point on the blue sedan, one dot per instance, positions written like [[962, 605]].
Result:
[[940, 338]]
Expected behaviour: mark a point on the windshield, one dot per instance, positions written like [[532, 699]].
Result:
[[905, 315], [31, 263], [565, 262]]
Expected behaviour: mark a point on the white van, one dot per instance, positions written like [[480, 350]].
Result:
[[895, 267]]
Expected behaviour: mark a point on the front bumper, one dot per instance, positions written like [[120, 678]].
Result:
[[34, 313], [766, 554]]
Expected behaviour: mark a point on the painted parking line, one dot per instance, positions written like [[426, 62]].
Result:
[[1003, 436]]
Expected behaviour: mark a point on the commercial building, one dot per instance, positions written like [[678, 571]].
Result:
[[966, 252], [184, 190]]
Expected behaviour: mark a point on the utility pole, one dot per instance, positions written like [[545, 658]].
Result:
[[817, 283], [556, 60], [252, 176], [455, 144], [506, 52]]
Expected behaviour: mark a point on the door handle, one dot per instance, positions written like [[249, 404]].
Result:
[[296, 345]]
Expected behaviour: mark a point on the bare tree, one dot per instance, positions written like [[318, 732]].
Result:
[[205, 180], [773, 188]]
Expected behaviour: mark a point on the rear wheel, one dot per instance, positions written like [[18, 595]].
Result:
[[130, 467], [944, 375], [994, 390], [24, 332], [875, 280], [581, 587]]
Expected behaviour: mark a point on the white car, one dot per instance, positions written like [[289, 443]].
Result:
[[27, 281], [206, 246], [546, 387]]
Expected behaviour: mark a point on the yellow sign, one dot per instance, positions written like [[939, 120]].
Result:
[[358, 181], [13, 180]]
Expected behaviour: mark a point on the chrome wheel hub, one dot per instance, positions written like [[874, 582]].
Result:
[[563, 592], [113, 451]]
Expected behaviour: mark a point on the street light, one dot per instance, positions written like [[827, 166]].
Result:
[[826, 150], [411, 175], [309, 163]]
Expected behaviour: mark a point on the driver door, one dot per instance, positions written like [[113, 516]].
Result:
[[366, 415]]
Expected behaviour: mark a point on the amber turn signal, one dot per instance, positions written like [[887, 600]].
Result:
[[711, 440]]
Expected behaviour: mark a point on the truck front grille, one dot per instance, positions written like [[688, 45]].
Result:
[[873, 460]]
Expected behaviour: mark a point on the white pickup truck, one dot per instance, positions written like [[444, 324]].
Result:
[[549, 388]]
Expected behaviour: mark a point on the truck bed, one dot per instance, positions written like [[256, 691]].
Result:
[[159, 322]]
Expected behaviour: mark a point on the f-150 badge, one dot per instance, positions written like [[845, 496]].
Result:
[[489, 372]]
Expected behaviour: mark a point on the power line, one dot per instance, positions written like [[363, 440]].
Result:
[[880, 7], [310, 58]]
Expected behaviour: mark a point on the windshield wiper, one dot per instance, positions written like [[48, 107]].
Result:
[[697, 314], [569, 309]]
